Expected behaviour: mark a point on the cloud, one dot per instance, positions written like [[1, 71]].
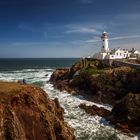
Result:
[[29, 44], [84, 29], [29, 28], [34, 29], [93, 40], [56, 31], [47, 49], [114, 38], [125, 37]]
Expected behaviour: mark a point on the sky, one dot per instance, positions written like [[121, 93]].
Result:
[[66, 28]]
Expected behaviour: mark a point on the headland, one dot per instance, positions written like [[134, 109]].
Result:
[[103, 83]]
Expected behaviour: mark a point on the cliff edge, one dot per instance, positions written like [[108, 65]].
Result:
[[98, 82], [27, 113], [104, 83]]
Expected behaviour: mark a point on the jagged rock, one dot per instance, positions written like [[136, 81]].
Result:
[[102, 84], [60, 80], [26, 113], [59, 74], [94, 110], [126, 113], [112, 83]]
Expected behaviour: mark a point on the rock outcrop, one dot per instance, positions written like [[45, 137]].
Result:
[[94, 110], [59, 74], [60, 79], [27, 113], [126, 113], [103, 84]]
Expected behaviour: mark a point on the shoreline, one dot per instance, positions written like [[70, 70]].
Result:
[[75, 80]]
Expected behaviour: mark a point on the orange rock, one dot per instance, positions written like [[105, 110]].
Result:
[[26, 112]]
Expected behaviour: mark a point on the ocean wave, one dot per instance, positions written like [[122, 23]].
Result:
[[30, 75], [86, 127]]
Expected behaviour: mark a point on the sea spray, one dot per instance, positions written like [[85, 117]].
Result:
[[86, 127]]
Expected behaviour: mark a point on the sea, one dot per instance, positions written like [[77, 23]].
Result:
[[38, 71]]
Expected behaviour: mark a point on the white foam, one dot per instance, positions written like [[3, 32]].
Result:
[[86, 126]]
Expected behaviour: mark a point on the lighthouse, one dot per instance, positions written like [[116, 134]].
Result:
[[104, 38], [116, 53]]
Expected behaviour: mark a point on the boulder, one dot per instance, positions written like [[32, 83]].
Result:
[[94, 110]]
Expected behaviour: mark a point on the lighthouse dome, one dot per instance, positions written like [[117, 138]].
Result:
[[104, 35]]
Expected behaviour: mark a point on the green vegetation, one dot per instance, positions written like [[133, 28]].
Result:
[[91, 70], [94, 67]]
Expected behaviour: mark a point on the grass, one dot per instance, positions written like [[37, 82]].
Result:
[[8, 89], [91, 70]]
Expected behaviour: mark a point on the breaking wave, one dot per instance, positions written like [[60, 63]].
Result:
[[86, 127]]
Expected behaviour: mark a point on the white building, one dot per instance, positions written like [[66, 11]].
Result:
[[118, 53]]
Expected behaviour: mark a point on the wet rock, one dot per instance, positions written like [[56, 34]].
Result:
[[94, 110], [117, 117], [99, 83], [26, 113]]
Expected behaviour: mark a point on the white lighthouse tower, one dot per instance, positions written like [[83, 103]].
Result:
[[116, 53], [104, 38]]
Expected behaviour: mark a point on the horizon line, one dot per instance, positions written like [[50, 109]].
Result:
[[37, 57]]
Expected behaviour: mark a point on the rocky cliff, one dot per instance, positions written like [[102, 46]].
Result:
[[100, 83], [27, 113], [125, 114], [105, 84]]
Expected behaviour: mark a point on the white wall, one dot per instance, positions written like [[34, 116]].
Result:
[[105, 47], [119, 54]]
